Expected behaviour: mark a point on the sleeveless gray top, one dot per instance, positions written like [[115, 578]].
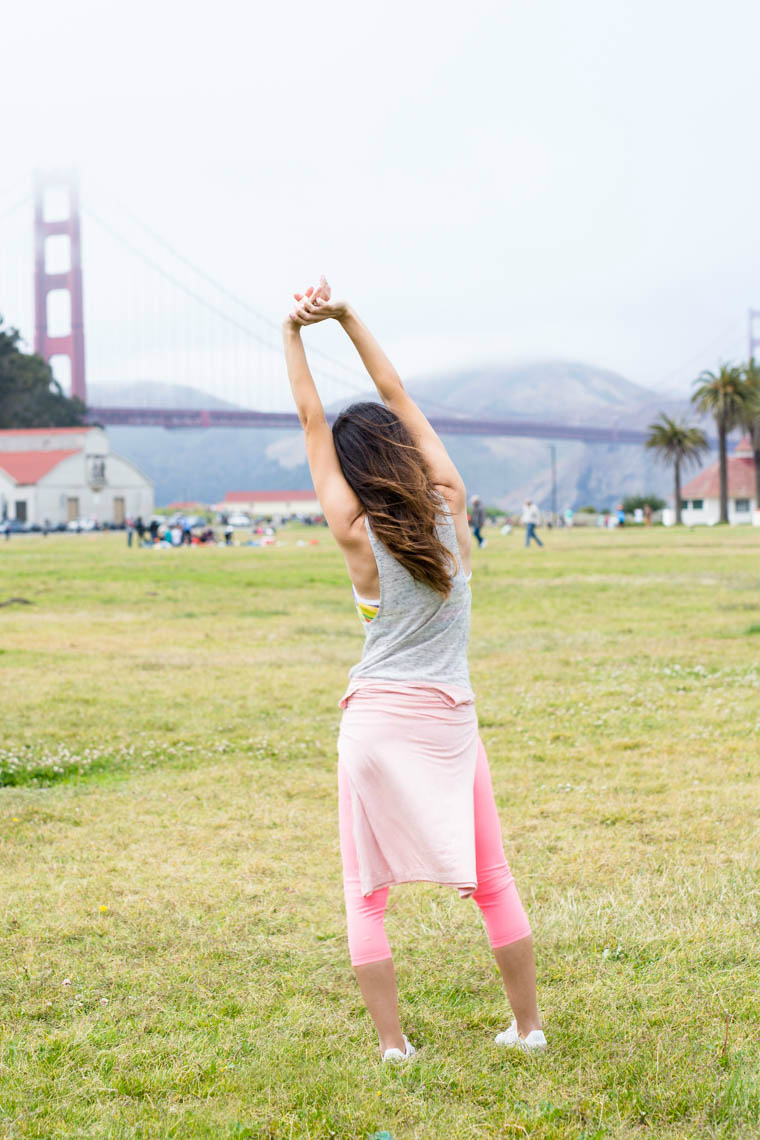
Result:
[[417, 636]]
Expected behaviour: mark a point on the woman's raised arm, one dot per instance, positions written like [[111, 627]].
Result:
[[338, 501], [319, 306]]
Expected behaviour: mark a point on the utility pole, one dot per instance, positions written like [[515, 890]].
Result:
[[553, 453], [754, 336]]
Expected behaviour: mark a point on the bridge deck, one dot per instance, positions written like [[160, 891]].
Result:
[[176, 418]]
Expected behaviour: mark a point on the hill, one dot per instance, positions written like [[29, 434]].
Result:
[[204, 464], [549, 389]]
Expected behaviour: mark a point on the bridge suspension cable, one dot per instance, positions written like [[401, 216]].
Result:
[[228, 293], [201, 300], [16, 206], [359, 381]]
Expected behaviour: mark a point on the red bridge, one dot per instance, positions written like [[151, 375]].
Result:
[[180, 330]]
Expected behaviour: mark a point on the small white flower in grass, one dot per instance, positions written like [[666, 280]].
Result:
[[104, 1001], [66, 982]]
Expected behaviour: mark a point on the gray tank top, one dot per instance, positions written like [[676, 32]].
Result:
[[417, 635]]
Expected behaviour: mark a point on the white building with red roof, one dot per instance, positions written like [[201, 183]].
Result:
[[267, 504], [700, 497], [55, 475]]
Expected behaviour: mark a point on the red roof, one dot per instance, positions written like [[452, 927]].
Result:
[[181, 506], [741, 480], [30, 466], [267, 496]]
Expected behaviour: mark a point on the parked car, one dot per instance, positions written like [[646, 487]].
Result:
[[82, 524], [12, 526], [238, 520]]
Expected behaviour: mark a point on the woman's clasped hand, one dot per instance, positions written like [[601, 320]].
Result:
[[316, 305]]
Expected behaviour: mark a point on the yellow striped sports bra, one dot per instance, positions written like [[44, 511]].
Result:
[[367, 610]]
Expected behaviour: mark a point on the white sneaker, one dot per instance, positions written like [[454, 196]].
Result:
[[395, 1056], [533, 1043]]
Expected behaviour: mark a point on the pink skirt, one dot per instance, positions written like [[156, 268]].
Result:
[[409, 752]]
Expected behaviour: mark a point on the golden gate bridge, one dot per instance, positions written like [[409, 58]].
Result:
[[256, 361]]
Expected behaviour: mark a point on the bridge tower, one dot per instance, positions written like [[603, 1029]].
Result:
[[66, 276]]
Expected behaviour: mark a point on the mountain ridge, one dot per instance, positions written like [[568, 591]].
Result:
[[205, 463]]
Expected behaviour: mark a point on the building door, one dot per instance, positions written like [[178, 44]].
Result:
[[72, 509], [118, 510], [21, 510]]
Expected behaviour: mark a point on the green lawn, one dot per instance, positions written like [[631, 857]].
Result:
[[173, 960]]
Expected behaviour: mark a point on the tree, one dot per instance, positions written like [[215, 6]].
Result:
[[638, 502], [751, 416], [722, 394], [677, 443], [29, 396]]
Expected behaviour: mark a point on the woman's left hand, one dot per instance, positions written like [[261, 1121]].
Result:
[[316, 305]]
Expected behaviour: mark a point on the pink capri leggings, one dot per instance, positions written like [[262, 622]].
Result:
[[497, 897]]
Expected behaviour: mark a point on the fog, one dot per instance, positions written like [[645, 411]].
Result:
[[525, 179]]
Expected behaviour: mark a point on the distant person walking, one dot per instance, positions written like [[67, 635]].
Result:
[[531, 518], [477, 519], [415, 800]]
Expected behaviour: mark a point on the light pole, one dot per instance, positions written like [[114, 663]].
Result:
[[553, 454]]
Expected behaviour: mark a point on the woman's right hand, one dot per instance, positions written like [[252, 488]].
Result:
[[316, 305]]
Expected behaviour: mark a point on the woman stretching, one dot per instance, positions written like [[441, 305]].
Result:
[[414, 788]]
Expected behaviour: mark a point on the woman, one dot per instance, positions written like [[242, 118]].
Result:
[[415, 795]]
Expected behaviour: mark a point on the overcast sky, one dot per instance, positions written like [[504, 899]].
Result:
[[492, 181]]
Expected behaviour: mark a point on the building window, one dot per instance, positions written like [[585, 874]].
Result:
[[697, 504], [21, 510], [742, 506], [684, 504], [96, 473]]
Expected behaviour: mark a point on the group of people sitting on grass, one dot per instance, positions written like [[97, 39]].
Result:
[[177, 534]]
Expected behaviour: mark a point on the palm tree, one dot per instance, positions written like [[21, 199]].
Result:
[[679, 444], [722, 394], [751, 416]]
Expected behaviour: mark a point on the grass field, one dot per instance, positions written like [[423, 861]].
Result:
[[173, 960]]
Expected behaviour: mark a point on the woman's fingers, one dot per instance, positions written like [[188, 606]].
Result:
[[316, 308], [314, 304], [306, 316]]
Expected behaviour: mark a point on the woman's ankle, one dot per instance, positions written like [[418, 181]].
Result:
[[526, 1025]]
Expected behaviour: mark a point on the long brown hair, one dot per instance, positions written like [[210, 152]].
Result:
[[388, 472]]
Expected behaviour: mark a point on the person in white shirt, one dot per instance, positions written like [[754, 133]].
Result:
[[531, 518]]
